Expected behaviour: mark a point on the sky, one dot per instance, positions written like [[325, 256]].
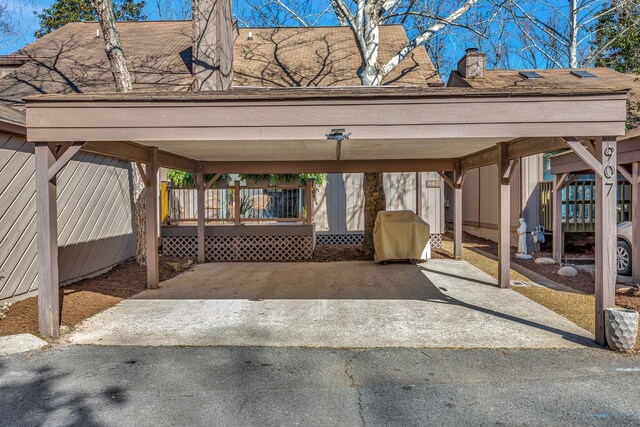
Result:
[[25, 20]]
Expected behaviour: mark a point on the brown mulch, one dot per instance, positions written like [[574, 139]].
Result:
[[330, 253], [583, 282], [88, 297], [629, 298]]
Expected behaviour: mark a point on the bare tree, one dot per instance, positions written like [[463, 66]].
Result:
[[172, 9], [112, 45], [424, 21], [560, 35], [122, 80], [13, 14]]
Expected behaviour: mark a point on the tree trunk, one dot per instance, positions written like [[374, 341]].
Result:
[[374, 202], [107, 19], [573, 34], [122, 79]]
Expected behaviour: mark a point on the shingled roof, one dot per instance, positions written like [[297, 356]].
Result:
[[72, 59], [556, 78], [320, 56]]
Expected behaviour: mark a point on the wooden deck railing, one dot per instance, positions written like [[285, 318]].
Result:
[[242, 204], [578, 205]]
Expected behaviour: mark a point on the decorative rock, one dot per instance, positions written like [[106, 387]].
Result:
[[621, 328], [568, 272], [18, 343], [545, 261]]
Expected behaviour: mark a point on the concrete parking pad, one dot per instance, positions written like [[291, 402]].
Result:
[[442, 303]]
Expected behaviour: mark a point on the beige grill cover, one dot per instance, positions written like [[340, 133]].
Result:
[[400, 235]]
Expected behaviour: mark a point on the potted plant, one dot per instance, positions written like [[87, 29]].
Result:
[[621, 328]]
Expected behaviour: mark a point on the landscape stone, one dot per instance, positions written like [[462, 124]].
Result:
[[21, 342], [568, 272], [545, 261]]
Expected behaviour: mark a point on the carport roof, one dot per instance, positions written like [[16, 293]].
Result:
[[284, 130], [265, 93]]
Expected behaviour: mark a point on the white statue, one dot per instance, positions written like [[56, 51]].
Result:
[[522, 241]]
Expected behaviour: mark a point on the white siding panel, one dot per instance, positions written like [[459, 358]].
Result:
[[95, 225]]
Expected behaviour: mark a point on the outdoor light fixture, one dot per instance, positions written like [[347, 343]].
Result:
[[338, 135]]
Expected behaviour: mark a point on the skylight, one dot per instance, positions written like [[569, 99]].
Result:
[[530, 75], [583, 74]]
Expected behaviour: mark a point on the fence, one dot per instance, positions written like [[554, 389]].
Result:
[[578, 205], [241, 204]]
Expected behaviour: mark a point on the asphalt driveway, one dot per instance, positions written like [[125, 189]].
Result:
[[442, 303], [261, 386]]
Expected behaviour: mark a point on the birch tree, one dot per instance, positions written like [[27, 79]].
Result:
[[122, 79], [364, 18], [560, 34]]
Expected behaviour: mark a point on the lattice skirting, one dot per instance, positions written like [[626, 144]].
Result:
[[356, 239], [180, 246], [436, 241], [339, 239], [241, 248]]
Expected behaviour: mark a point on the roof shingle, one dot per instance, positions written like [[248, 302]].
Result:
[[72, 59]]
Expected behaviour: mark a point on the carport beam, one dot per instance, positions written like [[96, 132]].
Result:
[[201, 213]]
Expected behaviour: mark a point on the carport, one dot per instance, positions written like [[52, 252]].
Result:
[[567, 167], [381, 129]]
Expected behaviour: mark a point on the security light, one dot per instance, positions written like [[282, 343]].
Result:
[[338, 135]]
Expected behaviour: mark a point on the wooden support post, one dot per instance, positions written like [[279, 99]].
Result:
[[505, 170], [236, 203], [558, 241], [457, 223], [458, 180], [456, 185], [606, 241], [635, 218], [308, 197], [151, 220], [47, 241], [201, 212]]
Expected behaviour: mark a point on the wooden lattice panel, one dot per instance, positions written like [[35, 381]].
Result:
[[180, 246], [339, 239], [221, 248], [357, 239], [259, 248], [436, 241]]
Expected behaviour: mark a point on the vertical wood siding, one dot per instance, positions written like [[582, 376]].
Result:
[[339, 204], [95, 225], [480, 198]]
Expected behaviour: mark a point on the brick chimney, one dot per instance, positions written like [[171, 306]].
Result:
[[213, 32], [473, 64]]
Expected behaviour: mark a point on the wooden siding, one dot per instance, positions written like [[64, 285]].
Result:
[[480, 199], [95, 227], [339, 207]]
